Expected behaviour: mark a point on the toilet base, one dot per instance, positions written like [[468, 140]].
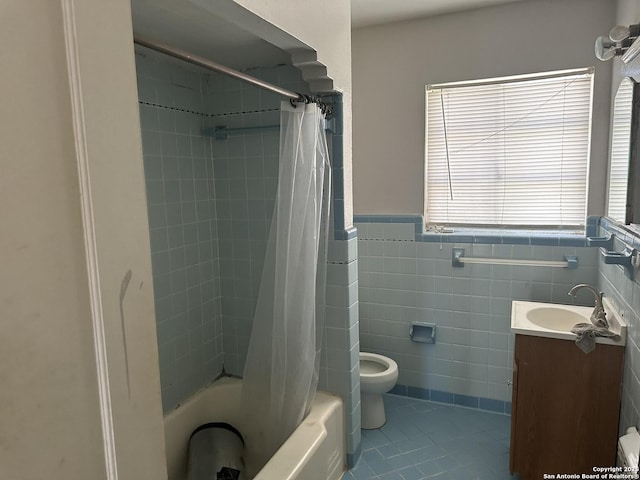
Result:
[[372, 411]]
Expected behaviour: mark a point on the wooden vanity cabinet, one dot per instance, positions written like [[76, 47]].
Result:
[[565, 407]]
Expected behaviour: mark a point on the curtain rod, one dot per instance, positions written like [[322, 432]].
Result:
[[210, 65]]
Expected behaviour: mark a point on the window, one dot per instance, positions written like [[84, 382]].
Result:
[[509, 151]]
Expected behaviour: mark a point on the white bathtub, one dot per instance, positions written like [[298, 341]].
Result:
[[315, 451]]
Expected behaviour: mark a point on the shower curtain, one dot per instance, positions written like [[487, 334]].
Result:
[[281, 369]]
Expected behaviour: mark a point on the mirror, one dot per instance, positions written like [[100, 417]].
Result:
[[620, 150]]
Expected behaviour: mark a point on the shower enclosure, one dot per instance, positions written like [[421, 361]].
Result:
[[283, 361], [210, 201]]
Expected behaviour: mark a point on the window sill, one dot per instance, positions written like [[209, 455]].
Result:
[[486, 235], [506, 237]]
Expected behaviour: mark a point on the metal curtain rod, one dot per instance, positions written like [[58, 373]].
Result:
[[210, 65]]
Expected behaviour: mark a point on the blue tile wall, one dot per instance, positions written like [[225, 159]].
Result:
[[245, 176], [340, 362], [625, 294], [210, 204], [245, 171], [403, 278], [182, 225]]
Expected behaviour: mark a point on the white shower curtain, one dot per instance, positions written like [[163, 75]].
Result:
[[281, 369]]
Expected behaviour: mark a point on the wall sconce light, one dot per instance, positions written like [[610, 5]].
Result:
[[606, 49], [622, 42], [620, 32], [632, 51]]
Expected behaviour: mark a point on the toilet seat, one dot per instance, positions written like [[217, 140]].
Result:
[[375, 365], [378, 375]]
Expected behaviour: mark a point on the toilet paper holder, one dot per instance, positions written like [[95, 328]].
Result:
[[422, 332]]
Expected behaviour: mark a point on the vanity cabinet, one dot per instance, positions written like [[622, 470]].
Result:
[[565, 407]]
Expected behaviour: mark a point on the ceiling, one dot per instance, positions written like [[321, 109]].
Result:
[[187, 25], [374, 12]]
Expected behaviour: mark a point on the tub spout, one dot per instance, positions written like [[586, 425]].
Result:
[[598, 316]]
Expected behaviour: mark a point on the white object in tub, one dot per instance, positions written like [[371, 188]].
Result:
[[628, 452], [314, 451]]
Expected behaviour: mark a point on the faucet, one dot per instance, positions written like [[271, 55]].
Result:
[[598, 316]]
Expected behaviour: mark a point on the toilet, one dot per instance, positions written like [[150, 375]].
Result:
[[378, 375]]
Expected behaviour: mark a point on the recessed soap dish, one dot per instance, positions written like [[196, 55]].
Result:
[[422, 332]]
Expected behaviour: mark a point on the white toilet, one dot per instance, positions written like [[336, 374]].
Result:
[[378, 375]]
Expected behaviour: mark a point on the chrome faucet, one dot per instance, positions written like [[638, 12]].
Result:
[[598, 316]]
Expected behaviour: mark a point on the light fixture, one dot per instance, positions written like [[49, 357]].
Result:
[[606, 49], [625, 41], [622, 41], [620, 32], [632, 51]]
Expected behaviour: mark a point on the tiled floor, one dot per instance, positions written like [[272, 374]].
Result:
[[425, 440]]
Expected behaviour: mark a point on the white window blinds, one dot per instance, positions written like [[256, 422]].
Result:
[[509, 152]]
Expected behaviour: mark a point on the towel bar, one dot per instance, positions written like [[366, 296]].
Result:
[[458, 260]]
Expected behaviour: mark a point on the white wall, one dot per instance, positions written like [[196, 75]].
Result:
[[393, 63], [326, 27], [73, 216], [47, 369]]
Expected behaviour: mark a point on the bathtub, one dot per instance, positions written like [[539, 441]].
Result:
[[314, 451]]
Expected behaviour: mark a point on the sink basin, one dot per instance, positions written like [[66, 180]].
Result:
[[556, 320]]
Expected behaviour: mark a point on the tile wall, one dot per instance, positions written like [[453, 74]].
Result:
[[406, 277], [245, 170], [616, 283], [210, 201], [182, 224], [340, 362]]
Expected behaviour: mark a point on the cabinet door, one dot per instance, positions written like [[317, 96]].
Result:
[[514, 418], [565, 407]]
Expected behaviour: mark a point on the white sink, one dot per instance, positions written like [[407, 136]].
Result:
[[556, 320]]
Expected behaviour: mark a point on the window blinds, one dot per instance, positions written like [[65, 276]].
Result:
[[509, 152], [619, 156]]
